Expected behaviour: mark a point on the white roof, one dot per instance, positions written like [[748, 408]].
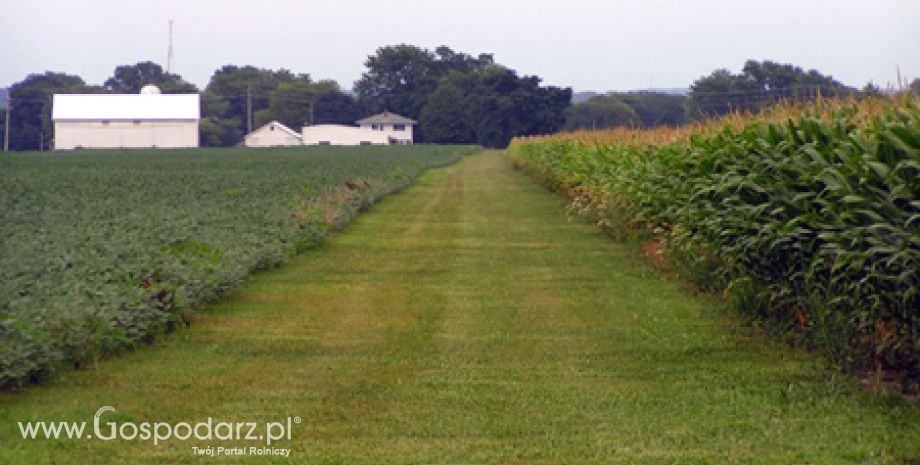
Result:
[[126, 107], [318, 126], [280, 126]]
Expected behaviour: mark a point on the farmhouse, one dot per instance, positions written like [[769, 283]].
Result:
[[145, 120], [382, 129], [398, 129], [273, 134]]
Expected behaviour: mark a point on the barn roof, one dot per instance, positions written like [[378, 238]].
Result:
[[126, 107], [386, 118]]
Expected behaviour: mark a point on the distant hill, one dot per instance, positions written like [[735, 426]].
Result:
[[664, 90], [578, 97]]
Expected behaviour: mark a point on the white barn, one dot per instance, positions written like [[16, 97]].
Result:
[[145, 120], [381, 129], [273, 134]]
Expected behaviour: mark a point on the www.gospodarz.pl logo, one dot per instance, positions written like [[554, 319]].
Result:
[[107, 429]]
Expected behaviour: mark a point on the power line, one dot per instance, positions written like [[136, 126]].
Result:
[[799, 93]]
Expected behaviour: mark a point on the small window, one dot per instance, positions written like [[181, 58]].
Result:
[[271, 128], [365, 142], [137, 122], [399, 127], [325, 142]]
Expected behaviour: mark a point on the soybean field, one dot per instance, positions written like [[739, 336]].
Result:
[[102, 251]]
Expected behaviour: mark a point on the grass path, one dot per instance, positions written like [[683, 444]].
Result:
[[466, 321]]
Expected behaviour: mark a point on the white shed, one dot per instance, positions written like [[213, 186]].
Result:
[[145, 120], [337, 134], [273, 134], [398, 129]]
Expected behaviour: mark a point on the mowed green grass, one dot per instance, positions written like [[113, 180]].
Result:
[[466, 321]]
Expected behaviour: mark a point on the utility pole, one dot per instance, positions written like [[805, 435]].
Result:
[[248, 108], [6, 125], [311, 111], [169, 52]]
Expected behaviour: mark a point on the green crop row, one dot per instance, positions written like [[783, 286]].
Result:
[[810, 222], [101, 251]]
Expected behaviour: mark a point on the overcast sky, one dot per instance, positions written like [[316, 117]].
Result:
[[588, 45]]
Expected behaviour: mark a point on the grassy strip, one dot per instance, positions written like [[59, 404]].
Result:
[[466, 321]]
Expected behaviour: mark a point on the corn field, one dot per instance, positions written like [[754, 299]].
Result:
[[805, 217]]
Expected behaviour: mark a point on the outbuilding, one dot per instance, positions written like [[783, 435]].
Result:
[[110, 121], [337, 134], [381, 129], [273, 134]]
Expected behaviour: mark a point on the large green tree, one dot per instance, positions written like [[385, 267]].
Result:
[[447, 116], [31, 99], [219, 132], [770, 76], [129, 79], [336, 108], [759, 84], [491, 105], [720, 93], [400, 78]]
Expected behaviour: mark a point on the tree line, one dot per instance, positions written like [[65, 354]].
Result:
[[275, 94], [759, 84], [456, 97]]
